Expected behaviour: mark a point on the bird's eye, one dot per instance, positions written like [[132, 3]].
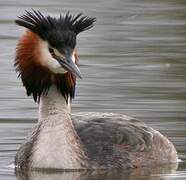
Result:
[[51, 50]]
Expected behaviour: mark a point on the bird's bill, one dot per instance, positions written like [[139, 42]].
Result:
[[70, 66]]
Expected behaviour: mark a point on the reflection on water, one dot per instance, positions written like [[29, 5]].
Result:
[[133, 62], [145, 174]]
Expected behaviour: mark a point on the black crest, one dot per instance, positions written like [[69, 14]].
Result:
[[51, 28], [59, 32]]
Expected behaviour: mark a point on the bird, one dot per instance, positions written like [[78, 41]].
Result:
[[47, 61]]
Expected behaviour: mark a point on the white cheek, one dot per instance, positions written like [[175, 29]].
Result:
[[73, 58], [55, 67], [48, 61]]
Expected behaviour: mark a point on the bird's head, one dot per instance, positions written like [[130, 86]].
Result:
[[46, 54]]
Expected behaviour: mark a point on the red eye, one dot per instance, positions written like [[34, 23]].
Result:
[[51, 50]]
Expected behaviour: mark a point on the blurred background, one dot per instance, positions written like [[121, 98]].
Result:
[[132, 62]]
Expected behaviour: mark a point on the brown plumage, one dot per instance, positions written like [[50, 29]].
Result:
[[36, 78], [46, 60]]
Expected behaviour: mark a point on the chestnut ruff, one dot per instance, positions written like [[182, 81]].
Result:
[[59, 33]]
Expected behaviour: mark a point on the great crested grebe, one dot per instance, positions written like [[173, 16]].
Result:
[[46, 59]]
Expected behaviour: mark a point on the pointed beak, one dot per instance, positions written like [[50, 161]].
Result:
[[70, 66]]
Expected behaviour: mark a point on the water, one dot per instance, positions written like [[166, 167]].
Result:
[[133, 62]]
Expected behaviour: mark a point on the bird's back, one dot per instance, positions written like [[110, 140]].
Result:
[[110, 141], [114, 140]]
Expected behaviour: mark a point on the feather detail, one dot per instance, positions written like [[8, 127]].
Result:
[[57, 31], [36, 78]]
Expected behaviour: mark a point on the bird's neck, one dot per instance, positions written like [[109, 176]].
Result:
[[53, 105], [58, 145]]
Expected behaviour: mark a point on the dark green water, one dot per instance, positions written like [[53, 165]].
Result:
[[132, 61]]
